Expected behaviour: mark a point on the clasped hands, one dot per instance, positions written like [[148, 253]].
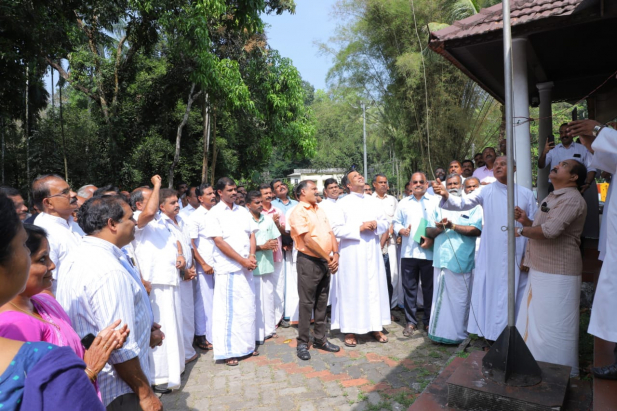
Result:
[[369, 226]]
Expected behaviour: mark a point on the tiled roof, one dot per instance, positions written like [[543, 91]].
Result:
[[490, 18]]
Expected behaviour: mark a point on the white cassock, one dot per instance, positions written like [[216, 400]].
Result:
[[292, 299], [156, 249], [360, 301], [328, 205], [602, 247], [602, 323], [489, 296]]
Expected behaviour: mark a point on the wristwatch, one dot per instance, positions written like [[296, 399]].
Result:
[[520, 231], [597, 129]]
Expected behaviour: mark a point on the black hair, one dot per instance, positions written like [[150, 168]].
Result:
[[224, 182], [253, 194], [199, 191], [581, 171], [329, 181], [421, 172], [379, 175], [456, 161], [489, 148], [105, 189], [467, 161], [301, 186], [94, 214], [264, 186], [276, 180], [9, 191], [407, 184], [182, 183], [40, 189], [165, 193], [9, 226], [137, 195], [476, 155], [563, 125], [36, 235]]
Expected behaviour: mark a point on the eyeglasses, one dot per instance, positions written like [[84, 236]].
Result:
[[65, 193]]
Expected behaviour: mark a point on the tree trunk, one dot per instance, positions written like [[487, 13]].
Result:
[[214, 152], [185, 119], [66, 165], [206, 117], [2, 131], [27, 129]]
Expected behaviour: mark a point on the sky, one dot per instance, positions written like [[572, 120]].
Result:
[[294, 37]]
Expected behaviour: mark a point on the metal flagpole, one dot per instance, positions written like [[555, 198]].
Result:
[[364, 134]]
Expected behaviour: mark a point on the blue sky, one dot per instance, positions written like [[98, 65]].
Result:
[[294, 36]]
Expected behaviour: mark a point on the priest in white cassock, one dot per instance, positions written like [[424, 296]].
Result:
[[360, 302], [203, 248], [455, 234], [489, 296], [162, 258], [602, 142], [233, 230]]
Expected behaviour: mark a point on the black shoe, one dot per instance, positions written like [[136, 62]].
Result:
[[326, 346], [302, 352], [607, 373], [284, 324], [160, 389], [409, 330]]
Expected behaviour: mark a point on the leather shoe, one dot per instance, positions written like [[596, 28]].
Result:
[[607, 373], [302, 352], [160, 389], [284, 324], [326, 346], [409, 330]]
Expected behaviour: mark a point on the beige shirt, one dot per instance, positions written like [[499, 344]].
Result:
[[562, 217], [310, 220]]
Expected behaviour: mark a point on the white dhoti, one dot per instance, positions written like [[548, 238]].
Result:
[[168, 359], [292, 300], [278, 282], [188, 318], [395, 276], [234, 315], [549, 318], [450, 310], [264, 307], [204, 298]]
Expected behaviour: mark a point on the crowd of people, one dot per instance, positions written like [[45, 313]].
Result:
[[110, 293]]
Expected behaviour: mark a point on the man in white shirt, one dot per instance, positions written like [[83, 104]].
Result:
[[485, 173], [233, 230], [100, 286], [388, 239], [57, 202], [164, 256], [412, 214], [204, 262], [192, 205]]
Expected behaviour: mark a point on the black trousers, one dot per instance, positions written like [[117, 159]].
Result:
[[313, 287], [412, 270], [386, 261]]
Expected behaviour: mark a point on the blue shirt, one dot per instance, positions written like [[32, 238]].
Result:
[[284, 207], [410, 211], [452, 250]]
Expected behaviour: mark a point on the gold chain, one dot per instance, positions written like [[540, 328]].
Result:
[[37, 316]]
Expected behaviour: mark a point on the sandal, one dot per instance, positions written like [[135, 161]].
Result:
[[201, 342], [232, 362], [350, 340], [379, 336]]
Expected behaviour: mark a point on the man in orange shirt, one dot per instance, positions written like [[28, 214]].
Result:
[[317, 258]]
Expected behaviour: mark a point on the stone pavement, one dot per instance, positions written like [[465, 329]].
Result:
[[370, 376]]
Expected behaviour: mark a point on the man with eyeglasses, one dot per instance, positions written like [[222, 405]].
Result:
[[54, 197]]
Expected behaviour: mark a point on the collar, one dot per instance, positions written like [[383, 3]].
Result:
[[308, 205], [103, 244], [272, 209], [413, 197], [333, 201], [222, 204], [261, 217], [381, 198], [361, 195], [57, 220], [281, 201], [563, 190]]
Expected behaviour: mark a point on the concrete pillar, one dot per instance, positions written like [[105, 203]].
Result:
[[545, 129], [522, 138]]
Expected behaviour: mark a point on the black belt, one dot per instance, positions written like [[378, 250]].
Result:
[[313, 259]]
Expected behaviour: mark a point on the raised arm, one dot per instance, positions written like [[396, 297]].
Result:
[[152, 206]]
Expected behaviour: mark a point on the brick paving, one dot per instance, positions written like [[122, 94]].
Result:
[[370, 376]]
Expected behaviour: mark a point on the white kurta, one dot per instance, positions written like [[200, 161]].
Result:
[[360, 301], [489, 298], [389, 204], [292, 299], [602, 323]]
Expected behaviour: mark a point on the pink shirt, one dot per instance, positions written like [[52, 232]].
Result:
[[484, 175], [20, 326], [278, 254]]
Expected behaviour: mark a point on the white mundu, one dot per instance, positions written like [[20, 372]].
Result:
[[360, 302], [602, 323], [292, 299], [489, 295], [233, 330], [204, 286], [156, 249], [186, 289]]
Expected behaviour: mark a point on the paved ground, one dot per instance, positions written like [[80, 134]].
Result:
[[371, 376]]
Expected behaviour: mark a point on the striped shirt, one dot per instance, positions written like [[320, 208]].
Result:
[[562, 217], [97, 290]]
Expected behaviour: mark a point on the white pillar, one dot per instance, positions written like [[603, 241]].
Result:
[[544, 130], [522, 139]]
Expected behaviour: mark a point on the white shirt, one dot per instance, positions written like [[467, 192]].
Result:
[[575, 151], [328, 206], [185, 212], [156, 250], [411, 211], [63, 236], [235, 225], [97, 290], [197, 231], [388, 205], [484, 175]]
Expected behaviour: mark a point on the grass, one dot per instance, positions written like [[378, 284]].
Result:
[[462, 354], [434, 354], [393, 358], [423, 372], [362, 396]]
